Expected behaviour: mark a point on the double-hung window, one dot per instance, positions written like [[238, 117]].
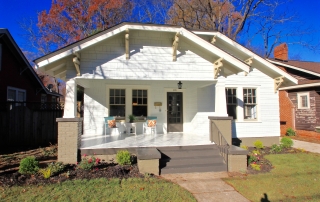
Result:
[[139, 102], [117, 102], [250, 103], [304, 100], [231, 99], [16, 94]]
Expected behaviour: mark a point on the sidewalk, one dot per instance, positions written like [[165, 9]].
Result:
[[207, 186], [308, 146]]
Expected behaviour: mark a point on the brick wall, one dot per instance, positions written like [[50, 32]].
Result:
[[286, 112], [69, 139]]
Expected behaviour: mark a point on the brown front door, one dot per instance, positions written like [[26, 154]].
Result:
[[174, 112]]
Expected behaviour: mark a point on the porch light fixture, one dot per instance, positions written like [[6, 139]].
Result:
[[179, 85]]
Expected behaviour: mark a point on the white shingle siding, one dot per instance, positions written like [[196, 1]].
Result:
[[268, 123]]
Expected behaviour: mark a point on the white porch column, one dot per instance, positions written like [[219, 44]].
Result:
[[70, 105], [220, 97]]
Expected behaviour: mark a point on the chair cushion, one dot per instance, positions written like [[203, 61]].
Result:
[[112, 123], [152, 123]]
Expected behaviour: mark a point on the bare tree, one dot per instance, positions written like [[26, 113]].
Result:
[[226, 16], [280, 24]]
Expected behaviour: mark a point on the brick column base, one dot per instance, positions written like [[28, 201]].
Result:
[[69, 139]]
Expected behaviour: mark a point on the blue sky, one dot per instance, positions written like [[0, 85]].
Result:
[[13, 11]]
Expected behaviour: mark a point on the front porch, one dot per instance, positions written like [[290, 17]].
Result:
[[143, 140]]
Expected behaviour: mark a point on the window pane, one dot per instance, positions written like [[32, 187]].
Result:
[[145, 101], [11, 95], [122, 100], [21, 96], [123, 93], [140, 93], [111, 92], [111, 100], [117, 100], [116, 110], [134, 93], [140, 110], [117, 92], [145, 93], [232, 111]]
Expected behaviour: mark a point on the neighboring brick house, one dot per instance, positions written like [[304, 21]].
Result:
[[300, 104], [18, 80]]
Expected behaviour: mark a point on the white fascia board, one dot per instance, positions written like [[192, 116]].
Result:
[[216, 51], [294, 67], [301, 86], [250, 54]]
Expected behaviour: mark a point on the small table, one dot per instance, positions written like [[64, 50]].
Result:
[[131, 128]]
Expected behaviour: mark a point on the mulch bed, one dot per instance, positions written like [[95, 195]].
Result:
[[71, 172], [265, 164]]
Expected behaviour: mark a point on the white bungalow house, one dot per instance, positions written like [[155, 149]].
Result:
[[134, 69]]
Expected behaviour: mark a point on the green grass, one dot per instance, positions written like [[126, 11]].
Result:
[[296, 177], [132, 189]]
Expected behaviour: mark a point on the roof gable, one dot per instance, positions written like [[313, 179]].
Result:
[[234, 65], [7, 39], [244, 54]]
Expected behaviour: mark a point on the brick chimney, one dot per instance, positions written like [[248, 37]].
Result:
[[281, 52]]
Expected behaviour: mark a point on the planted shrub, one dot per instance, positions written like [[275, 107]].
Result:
[[276, 148], [252, 158], [258, 144], [123, 157], [56, 167], [87, 163], [255, 166], [46, 172], [29, 165], [290, 132], [286, 142]]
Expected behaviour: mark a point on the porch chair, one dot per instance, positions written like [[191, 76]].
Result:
[[151, 122], [110, 123]]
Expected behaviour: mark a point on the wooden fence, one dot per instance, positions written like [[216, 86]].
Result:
[[29, 124]]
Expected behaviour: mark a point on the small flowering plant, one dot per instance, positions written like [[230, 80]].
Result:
[[87, 163]]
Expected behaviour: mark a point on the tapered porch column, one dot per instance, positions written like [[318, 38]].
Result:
[[220, 96], [70, 106]]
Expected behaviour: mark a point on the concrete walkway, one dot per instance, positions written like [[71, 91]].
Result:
[[308, 146], [207, 186]]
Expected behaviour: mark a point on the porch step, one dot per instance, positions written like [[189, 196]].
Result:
[[187, 159]]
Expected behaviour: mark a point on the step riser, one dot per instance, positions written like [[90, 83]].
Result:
[[188, 162], [194, 169], [190, 153]]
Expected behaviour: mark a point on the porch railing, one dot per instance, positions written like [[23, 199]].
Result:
[[218, 138]]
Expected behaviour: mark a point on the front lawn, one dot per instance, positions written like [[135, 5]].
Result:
[[131, 189], [295, 177]]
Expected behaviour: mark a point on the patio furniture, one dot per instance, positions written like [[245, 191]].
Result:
[[110, 124], [150, 124]]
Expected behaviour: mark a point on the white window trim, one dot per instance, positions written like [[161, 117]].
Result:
[[299, 102], [240, 104], [17, 90]]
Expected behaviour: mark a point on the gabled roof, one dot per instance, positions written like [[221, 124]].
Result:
[[233, 63], [242, 53], [6, 37], [303, 66]]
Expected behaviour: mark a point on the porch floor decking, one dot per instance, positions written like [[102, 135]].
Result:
[[143, 140]]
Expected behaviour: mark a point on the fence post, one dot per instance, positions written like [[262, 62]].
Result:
[[69, 139]]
